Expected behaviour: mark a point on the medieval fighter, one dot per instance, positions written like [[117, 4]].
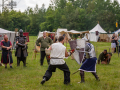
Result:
[[21, 48], [89, 65], [57, 55]]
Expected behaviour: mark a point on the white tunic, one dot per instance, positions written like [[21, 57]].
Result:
[[57, 54]]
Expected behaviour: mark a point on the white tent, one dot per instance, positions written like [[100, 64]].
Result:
[[93, 36], [116, 32], [11, 35], [74, 32], [40, 34], [61, 31]]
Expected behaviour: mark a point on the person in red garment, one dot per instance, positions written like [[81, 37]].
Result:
[[6, 54]]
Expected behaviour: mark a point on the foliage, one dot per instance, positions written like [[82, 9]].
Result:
[[80, 15]]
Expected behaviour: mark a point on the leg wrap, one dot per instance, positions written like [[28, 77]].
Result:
[[24, 62], [18, 61], [82, 76], [96, 76]]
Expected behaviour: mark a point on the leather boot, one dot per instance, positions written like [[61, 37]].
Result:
[[82, 77], [43, 81], [24, 62], [18, 62], [96, 76]]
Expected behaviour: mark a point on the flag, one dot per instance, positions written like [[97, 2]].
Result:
[[116, 24]]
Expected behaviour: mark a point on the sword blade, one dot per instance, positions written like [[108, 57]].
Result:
[[75, 72]]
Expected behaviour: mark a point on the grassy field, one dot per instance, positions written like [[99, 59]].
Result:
[[28, 78]]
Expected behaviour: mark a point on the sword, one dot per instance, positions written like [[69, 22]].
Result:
[[75, 72]]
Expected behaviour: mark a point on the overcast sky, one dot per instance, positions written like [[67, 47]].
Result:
[[23, 4]]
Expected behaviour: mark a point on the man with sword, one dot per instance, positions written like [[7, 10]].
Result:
[[6, 54], [57, 55], [84, 50], [89, 65]]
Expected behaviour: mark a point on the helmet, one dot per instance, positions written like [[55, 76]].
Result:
[[21, 32]]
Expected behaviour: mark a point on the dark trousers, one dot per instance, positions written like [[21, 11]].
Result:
[[62, 67], [119, 49], [43, 54], [23, 59], [116, 49]]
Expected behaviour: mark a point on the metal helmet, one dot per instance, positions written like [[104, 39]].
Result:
[[21, 32]]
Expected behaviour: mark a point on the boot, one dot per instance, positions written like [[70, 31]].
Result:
[[96, 76], [24, 62], [18, 62], [43, 81], [82, 77]]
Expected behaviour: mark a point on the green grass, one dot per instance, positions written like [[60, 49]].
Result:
[[21, 78]]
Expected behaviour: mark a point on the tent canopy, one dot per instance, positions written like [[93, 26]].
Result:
[[5, 31], [61, 31], [98, 28], [77, 32], [116, 32], [40, 34], [74, 32], [11, 35]]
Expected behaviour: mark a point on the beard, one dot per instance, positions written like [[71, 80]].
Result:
[[6, 39]]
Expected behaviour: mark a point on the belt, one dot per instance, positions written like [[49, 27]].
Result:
[[55, 58]]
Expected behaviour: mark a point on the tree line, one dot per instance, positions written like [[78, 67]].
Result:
[[80, 15]]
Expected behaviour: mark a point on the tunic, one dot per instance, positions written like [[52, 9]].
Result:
[[6, 54], [89, 65], [44, 43], [57, 54]]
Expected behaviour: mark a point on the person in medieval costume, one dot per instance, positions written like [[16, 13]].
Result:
[[21, 48], [45, 43], [57, 55], [89, 65], [6, 53], [104, 57]]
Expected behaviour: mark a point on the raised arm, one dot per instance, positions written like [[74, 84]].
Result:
[[66, 53]]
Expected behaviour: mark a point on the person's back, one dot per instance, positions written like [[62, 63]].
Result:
[[58, 50], [57, 53]]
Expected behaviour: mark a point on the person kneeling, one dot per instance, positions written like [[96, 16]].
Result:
[[104, 57]]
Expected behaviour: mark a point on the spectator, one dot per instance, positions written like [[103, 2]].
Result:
[[6, 54], [113, 45], [119, 43], [104, 57], [116, 42], [45, 42]]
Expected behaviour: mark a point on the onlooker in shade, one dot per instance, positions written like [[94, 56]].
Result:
[[119, 43], [116, 42], [113, 45]]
